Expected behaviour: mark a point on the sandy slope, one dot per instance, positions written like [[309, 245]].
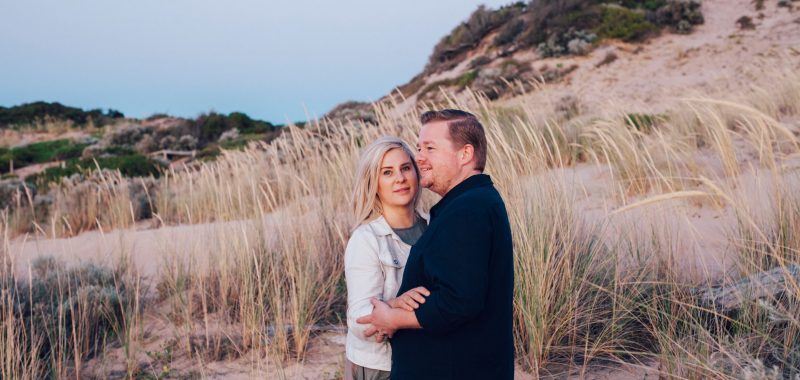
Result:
[[717, 57]]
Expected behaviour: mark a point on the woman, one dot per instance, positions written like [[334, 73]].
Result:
[[385, 200]]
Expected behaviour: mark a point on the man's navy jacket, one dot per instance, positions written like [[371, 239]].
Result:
[[465, 259]]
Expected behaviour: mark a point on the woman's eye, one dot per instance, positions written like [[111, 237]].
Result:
[[387, 172], [406, 168]]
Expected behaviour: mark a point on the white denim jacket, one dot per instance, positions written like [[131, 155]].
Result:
[[373, 267]]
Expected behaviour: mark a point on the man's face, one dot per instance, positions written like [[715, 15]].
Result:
[[437, 158]]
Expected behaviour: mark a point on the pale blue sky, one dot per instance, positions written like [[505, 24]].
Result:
[[268, 59]]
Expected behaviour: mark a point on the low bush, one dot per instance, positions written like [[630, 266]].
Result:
[[38, 153], [576, 42], [213, 124], [133, 165], [458, 83], [745, 23], [643, 122], [469, 33], [624, 24], [65, 315], [38, 112], [650, 5], [680, 15], [509, 32]]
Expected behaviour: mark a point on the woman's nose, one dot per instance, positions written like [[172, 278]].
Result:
[[400, 177]]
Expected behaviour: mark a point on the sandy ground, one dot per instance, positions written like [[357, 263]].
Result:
[[699, 229]]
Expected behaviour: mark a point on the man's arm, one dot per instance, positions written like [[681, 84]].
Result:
[[387, 320], [457, 261]]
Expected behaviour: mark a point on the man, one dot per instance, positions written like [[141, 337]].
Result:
[[463, 330]]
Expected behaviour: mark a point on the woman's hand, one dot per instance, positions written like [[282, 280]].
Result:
[[410, 300]]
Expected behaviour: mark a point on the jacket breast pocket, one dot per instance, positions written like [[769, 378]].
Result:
[[392, 266], [389, 254]]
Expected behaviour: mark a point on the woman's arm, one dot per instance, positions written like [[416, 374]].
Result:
[[364, 278]]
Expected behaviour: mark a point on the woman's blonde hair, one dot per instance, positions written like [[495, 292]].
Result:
[[365, 202]]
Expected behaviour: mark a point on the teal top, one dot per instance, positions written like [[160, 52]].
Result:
[[411, 234]]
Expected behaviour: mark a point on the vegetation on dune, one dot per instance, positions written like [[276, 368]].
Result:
[[38, 153], [623, 24], [126, 146], [552, 28], [468, 34], [63, 316], [131, 165], [560, 22], [212, 125], [29, 114], [459, 83]]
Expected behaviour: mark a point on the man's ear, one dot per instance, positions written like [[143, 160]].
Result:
[[467, 153]]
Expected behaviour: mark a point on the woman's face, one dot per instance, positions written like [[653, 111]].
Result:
[[397, 180]]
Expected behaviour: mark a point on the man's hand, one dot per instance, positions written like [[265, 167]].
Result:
[[410, 300], [381, 320]]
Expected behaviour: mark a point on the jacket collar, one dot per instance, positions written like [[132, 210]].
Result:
[[472, 182], [382, 228]]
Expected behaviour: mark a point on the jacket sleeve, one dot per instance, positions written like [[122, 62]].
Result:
[[457, 266], [364, 277]]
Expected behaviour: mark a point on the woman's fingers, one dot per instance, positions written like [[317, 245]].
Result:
[[422, 290], [416, 296], [409, 301]]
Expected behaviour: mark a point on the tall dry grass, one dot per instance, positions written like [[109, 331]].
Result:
[[270, 269], [56, 316]]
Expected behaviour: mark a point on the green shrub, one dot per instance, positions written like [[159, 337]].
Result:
[[466, 79], [208, 153], [212, 125], [679, 15], [68, 151], [134, 165], [509, 32], [577, 42], [56, 299], [469, 33], [643, 122], [36, 112], [650, 5], [38, 153], [479, 61], [460, 83], [241, 141], [117, 150], [624, 24]]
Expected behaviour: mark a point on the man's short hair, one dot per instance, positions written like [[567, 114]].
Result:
[[464, 129]]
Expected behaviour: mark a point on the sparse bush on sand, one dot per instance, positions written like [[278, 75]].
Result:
[[62, 316]]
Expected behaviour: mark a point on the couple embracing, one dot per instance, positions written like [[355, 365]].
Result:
[[429, 297]]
